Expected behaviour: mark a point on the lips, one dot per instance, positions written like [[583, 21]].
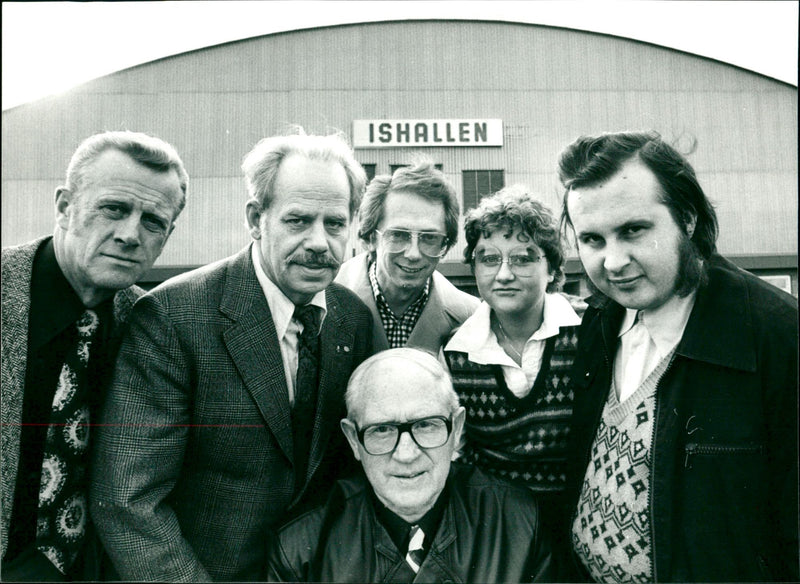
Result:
[[122, 259], [410, 270], [409, 476], [623, 282]]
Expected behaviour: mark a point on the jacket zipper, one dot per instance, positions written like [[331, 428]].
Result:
[[693, 449], [652, 468]]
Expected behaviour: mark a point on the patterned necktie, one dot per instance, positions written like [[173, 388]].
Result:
[[415, 553], [305, 387], [63, 513]]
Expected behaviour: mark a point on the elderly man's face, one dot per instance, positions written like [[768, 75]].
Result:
[[628, 241], [302, 235], [400, 271], [113, 227], [409, 479]]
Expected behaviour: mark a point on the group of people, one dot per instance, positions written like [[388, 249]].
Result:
[[286, 414]]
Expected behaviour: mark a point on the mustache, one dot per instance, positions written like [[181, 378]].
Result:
[[314, 260]]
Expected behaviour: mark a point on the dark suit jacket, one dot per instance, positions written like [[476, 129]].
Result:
[[17, 268], [194, 464]]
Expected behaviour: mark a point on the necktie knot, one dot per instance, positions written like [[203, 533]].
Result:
[[87, 324], [308, 316], [416, 551]]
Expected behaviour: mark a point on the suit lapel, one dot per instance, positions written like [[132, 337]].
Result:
[[253, 345], [17, 270]]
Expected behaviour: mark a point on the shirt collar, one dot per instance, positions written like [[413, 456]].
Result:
[[54, 303], [476, 339], [280, 306], [399, 529], [664, 324]]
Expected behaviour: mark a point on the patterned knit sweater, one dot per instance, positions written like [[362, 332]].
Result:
[[519, 439], [611, 529]]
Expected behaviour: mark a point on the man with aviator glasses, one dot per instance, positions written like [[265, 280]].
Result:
[[408, 221]]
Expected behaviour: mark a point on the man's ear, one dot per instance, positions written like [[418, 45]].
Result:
[[254, 211], [64, 198], [349, 429], [458, 429]]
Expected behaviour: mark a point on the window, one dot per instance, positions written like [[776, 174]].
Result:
[[393, 167], [479, 183], [370, 170]]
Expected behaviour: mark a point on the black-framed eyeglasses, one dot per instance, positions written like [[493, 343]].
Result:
[[431, 243], [520, 261], [383, 438]]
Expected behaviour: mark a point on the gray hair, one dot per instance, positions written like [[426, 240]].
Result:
[[354, 397], [261, 164], [149, 151]]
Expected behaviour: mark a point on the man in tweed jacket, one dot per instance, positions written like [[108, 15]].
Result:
[[197, 460], [113, 217]]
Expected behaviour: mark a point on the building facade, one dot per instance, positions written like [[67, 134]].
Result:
[[492, 103]]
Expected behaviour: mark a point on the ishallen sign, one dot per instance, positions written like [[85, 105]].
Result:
[[418, 133]]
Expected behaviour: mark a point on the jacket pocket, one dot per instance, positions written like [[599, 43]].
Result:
[[694, 449]]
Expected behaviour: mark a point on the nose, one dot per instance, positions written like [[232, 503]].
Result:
[[406, 449], [316, 238], [616, 257], [504, 273], [127, 230], [412, 252]]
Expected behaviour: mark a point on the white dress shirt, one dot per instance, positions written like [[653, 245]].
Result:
[[643, 344], [288, 328], [478, 341]]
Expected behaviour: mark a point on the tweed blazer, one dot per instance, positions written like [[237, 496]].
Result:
[[17, 270], [446, 309], [194, 465]]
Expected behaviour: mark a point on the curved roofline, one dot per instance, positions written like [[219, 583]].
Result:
[[407, 21]]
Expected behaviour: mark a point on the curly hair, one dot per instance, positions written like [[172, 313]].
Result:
[[515, 208]]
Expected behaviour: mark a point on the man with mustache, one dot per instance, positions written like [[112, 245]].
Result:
[[223, 413], [66, 299], [408, 221], [685, 415]]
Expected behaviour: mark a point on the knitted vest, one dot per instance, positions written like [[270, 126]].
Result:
[[611, 529], [519, 439]]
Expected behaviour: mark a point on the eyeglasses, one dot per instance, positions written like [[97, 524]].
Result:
[[383, 438], [431, 243], [520, 261]]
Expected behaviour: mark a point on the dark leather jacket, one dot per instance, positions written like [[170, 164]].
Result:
[[489, 532], [724, 471]]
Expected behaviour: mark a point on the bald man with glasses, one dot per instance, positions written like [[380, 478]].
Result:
[[408, 221], [414, 515]]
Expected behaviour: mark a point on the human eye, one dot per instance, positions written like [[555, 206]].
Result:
[[380, 430], [632, 231], [335, 225], [154, 223], [398, 235], [431, 238], [590, 240], [428, 424], [114, 210], [490, 259], [296, 221], [521, 260]]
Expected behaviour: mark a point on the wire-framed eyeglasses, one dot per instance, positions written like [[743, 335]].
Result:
[[431, 243], [384, 437], [522, 261]]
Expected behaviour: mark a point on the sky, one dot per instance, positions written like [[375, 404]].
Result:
[[49, 47]]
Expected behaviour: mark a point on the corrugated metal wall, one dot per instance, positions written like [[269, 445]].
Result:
[[548, 85]]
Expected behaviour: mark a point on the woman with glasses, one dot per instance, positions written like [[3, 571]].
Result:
[[511, 360]]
